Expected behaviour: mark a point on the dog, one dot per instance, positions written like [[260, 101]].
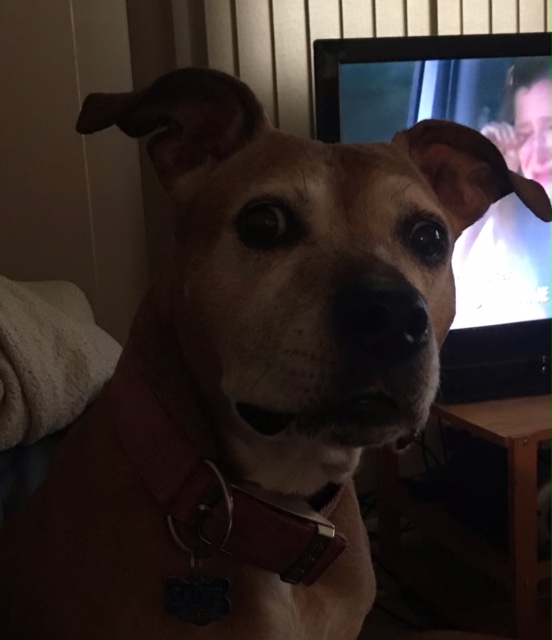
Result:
[[207, 493]]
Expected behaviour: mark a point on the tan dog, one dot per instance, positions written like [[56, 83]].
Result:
[[297, 321]]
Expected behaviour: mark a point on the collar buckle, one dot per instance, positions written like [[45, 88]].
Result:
[[310, 558]]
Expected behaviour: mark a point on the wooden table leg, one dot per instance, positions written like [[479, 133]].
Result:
[[389, 521], [522, 478]]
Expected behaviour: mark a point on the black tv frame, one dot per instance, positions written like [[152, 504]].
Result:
[[477, 363]]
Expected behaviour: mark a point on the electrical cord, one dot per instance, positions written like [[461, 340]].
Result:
[[399, 618], [367, 503], [385, 609], [420, 440], [444, 448]]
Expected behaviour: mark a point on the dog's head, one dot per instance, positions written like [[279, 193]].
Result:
[[318, 276]]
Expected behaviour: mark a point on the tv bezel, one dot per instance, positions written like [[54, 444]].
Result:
[[330, 54], [499, 345]]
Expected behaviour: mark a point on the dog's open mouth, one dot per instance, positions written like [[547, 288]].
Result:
[[266, 422], [374, 410]]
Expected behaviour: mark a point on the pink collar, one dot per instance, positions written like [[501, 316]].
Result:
[[299, 544]]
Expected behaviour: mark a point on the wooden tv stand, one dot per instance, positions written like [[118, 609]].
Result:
[[519, 425]]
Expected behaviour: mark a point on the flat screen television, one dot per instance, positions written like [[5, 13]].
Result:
[[369, 89]]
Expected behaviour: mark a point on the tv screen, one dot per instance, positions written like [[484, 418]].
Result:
[[367, 90]]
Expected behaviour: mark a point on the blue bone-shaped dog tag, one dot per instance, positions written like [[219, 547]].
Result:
[[197, 601]]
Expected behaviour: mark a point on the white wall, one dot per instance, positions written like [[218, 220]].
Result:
[[71, 207]]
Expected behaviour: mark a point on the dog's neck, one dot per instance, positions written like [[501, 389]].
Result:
[[154, 344], [294, 464]]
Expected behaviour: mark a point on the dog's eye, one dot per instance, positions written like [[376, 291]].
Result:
[[262, 226], [429, 241]]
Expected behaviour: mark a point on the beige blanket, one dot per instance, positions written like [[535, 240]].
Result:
[[54, 359]]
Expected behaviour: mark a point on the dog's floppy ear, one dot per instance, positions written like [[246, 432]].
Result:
[[200, 115], [467, 171]]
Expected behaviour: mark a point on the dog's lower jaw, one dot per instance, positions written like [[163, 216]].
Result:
[[293, 464], [303, 458]]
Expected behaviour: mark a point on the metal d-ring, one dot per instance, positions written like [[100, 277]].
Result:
[[229, 512]]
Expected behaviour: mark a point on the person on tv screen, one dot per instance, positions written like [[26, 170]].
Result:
[[502, 263]]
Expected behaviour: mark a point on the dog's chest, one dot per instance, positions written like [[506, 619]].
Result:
[[303, 613], [287, 615]]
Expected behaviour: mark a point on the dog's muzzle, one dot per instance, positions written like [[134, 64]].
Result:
[[379, 324]]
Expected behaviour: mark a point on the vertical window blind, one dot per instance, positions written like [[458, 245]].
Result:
[[268, 43]]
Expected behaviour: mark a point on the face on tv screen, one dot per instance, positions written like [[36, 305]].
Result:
[[502, 264]]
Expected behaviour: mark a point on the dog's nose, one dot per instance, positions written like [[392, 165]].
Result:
[[384, 320]]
